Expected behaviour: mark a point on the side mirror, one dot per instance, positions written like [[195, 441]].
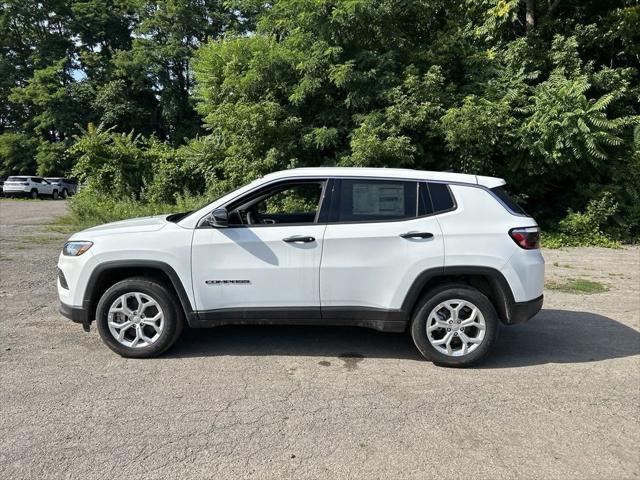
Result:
[[219, 218]]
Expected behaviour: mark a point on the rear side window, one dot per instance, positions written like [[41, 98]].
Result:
[[502, 194], [441, 197], [373, 200]]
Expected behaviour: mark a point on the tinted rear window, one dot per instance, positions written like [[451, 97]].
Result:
[[503, 195], [17, 179], [441, 197], [374, 200]]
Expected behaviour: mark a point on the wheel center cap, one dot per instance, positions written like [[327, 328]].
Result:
[[455, 327], [135, 319]]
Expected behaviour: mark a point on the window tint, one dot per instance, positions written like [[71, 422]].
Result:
[[424, 206], [502, 194], [441, 197], [16, 179], [374, 200]]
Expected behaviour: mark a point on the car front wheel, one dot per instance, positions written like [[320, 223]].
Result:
[[139, 318], [454, 326]]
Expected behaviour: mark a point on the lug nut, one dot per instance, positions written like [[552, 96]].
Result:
[[448, 329], [450, 321], [455, 334]]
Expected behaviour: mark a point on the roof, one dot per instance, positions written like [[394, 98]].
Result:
[[404, 173]]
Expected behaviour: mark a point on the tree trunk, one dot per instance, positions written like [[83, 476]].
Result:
[[530, 15]]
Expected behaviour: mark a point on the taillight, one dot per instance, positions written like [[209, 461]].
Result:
[[526, 237]]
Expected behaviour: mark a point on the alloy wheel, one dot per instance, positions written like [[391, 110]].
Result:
[[456, 327], [135, 320]]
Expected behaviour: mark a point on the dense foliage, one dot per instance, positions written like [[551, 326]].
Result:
[[151, 99]]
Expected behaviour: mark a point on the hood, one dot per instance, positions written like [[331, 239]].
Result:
[[142, 224]]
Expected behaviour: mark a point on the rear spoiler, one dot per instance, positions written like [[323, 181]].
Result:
[[490, 182]]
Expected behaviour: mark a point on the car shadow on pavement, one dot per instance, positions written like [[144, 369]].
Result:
[[563, 336], [553, 336]]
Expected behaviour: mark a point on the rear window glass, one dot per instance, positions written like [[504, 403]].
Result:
[[375, 200], [503, 195], [17, 179], [441, 197], [424, 203]]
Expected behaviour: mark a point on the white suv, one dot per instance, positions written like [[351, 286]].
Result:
[[447, 256], [26, 186]]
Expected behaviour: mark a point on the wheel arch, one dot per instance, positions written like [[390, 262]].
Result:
[[109, 273], [489, 281]]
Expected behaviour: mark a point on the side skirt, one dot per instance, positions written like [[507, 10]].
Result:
[[377, 319]]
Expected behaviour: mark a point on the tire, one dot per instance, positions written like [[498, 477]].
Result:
[[427, 314], [34, 194], [172, 321], [54, 195], [65, 193]]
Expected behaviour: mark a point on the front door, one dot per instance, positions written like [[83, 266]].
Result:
[[266, 263]]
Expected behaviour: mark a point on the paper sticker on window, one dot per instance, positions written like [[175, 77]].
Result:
[[378, 199]]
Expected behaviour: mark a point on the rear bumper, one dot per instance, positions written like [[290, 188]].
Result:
[[521, 312], [16, 193], [76, 314]]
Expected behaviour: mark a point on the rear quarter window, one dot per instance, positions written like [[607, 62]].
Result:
[[441, 197], [504, 196]]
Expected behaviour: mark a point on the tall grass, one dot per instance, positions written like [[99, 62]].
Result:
[[87, 209]]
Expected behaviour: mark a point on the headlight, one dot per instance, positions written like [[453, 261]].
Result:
[[75, 249]]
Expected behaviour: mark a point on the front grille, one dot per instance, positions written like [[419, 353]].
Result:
[[63, 280]]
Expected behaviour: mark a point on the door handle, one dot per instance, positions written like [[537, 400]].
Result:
[[299, 239], [417, 235]]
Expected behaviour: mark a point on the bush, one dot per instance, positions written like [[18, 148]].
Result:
[[89, 208], [585, 229]]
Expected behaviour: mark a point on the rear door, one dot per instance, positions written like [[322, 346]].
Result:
[[380, 236]]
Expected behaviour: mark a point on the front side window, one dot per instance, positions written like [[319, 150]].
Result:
[[373, 200], [292, 203]]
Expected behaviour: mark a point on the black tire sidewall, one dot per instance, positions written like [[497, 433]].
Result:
[[168, 303], [430, 301], [34, 194], [65, 193], [54, 195]]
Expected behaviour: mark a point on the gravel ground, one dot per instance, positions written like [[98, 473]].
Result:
[[558, 398]]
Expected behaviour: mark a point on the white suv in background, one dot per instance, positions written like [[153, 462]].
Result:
[[446, 256], [27, 186]]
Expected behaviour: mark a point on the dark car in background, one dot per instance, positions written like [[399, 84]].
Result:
[[66, 187]]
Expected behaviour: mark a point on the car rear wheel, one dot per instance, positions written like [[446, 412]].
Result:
[[65, 193], [54, 195], [34, 194], [454, 326], [139, 318]]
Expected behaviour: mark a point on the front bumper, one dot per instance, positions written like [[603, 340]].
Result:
[[76, 314], [521, 312]]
